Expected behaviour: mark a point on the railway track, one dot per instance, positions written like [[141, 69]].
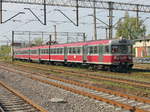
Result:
[[13, 101], [90, 76], [127, 102]]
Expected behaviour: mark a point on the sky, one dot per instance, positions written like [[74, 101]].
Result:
[[27, 22]]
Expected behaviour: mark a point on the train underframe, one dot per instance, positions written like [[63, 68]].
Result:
[[125, 67]]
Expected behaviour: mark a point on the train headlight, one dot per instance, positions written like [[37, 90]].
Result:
[[129, 57], [116, 57]]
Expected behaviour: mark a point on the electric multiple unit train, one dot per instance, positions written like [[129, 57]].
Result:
[[114, 55]]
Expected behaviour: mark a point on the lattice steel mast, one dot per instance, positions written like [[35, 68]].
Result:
[[87, 4]]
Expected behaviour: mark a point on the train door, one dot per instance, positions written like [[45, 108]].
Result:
[[49, 53], [29, 55], [84, 52], [65, 54], [39, 54], [101, 52]]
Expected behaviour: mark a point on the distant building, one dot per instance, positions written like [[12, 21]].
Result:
[[142, 47]]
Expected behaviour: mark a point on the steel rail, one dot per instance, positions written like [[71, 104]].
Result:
[[125, 81], [95, 88], [41, 109], [125, 106]]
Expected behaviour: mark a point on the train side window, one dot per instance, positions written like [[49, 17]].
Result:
[[74, 50], [106, 49], [35, 52], [70, 50], [78, 50], [91, 50], [57, 50], [51, 51], [61, 50], [47, 51], [54, 51], [95, 50], [41, 51]]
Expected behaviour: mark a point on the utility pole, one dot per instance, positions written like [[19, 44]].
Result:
[[29, 44], [1, 13], [45, 12], [77, 12], [29, 39], [106, 33], [84, 37], [110, 19], [137, 20], [94, 19], [137, 16], [55, 33], [12, 46], [50, 39], [145, 50]]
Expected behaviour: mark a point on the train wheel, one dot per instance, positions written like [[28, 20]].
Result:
[[113, 69]]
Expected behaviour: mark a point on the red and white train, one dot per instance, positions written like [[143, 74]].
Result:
[[114, 55]]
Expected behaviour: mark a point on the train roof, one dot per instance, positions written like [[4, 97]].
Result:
[[93, 42]]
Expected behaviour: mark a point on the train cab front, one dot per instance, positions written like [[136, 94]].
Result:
[[121, 52]]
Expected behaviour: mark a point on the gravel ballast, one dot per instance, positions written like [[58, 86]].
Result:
[[43, 94]]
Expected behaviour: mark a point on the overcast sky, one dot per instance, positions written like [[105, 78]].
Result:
[[23, 22]]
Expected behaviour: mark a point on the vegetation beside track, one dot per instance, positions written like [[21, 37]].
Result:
[[91, 94], [139, 75], [142, 66], [5, 58], [106, 84]]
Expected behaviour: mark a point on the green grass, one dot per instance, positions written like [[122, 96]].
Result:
[[6, 58], [125, 87], [139, 76]]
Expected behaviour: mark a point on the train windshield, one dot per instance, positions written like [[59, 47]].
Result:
[[121, 49]]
